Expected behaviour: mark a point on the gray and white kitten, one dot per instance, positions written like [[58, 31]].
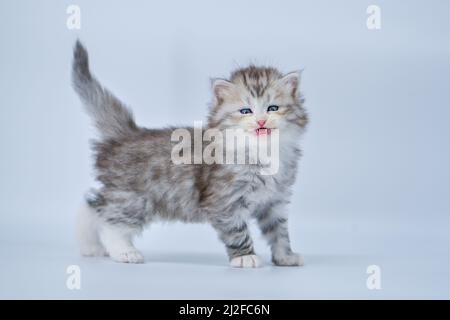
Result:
[[140, 184]]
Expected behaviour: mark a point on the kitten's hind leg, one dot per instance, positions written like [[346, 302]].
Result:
[[87, 233], [118, 241]]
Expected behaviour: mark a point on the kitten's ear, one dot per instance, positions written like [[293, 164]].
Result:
[[291, 83], [222, 89]]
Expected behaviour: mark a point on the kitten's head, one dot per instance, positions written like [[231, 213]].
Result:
[[257, 99]]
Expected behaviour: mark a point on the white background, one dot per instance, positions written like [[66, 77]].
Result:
[[374, 181]]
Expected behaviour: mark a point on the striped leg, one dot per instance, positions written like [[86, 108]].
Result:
[[274, 227], [234, 233]]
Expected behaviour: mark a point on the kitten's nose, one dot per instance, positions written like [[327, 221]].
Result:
[[261, 123]]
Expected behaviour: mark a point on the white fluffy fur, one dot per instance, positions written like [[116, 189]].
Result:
[[87, 233], [118, 243], [247, 261], [99, 239]]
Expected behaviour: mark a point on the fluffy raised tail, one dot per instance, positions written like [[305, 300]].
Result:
[[112, 118]]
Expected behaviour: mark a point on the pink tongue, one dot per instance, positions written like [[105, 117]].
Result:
[[261, 131]]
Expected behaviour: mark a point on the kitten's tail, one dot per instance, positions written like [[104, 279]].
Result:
[[112, 118]]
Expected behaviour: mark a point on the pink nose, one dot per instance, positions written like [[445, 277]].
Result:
[[261, 123]]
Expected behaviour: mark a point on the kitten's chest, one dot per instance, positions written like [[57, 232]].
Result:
[[265, 188]]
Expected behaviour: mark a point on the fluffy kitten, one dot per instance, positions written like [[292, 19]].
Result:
[[140, 183]]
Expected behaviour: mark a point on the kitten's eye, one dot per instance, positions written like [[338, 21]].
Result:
[[245, 111], [272, 108]]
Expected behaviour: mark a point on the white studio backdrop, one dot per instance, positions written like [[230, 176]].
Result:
[[373, 183]]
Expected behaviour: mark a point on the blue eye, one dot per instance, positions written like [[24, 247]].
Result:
[[272, 108], [245, 111]]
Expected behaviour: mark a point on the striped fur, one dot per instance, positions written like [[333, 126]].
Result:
[[139, 183]]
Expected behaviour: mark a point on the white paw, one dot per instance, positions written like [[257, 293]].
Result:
[[293, 259], [131, 256], [93, 251], [247, 261]]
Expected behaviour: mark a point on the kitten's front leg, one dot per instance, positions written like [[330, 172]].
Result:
[[274, 226], [233, 231]]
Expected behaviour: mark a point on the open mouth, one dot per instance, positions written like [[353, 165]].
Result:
[[262, 131]]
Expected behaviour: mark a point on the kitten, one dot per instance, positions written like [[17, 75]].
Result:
[[140, 184]]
